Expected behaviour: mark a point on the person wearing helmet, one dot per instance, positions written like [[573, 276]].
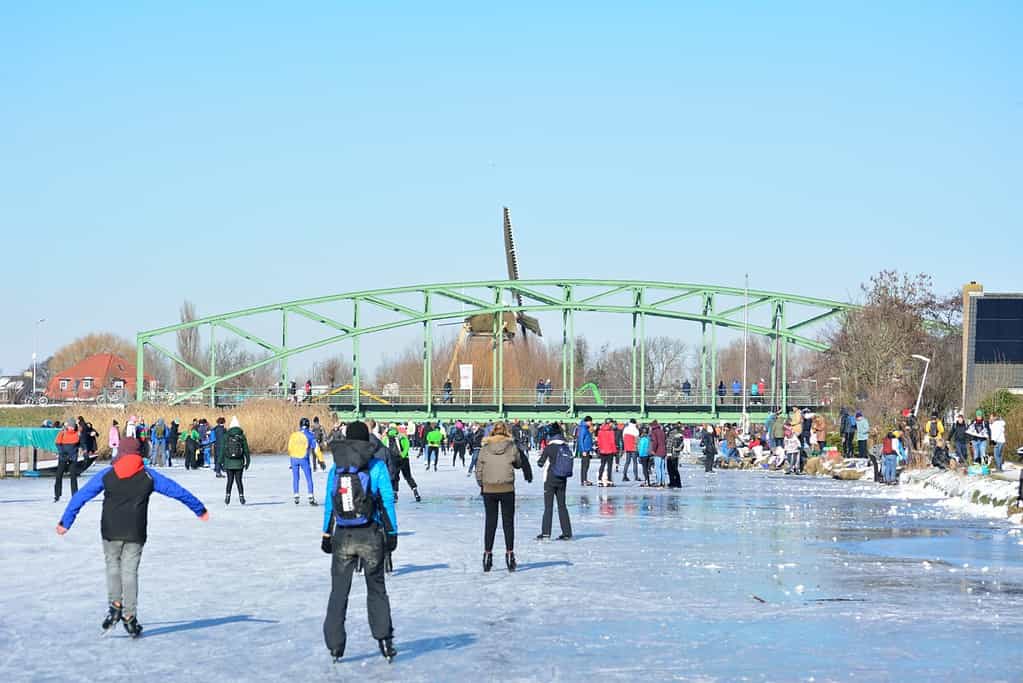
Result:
[[302, 444]]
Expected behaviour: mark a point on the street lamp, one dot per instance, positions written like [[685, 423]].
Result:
[[920, 394], [35, 345]]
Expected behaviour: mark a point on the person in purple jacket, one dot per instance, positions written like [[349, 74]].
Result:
[[126, 487]]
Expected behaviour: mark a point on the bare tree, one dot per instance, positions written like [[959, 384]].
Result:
[[189, 348], [871, 350], [334, 371]]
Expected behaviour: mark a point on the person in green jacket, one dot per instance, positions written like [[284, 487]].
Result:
[[234, 458], [398, 441], [434, 438], [191, 439]]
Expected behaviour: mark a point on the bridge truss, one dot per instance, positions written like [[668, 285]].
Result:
[[710, 306]]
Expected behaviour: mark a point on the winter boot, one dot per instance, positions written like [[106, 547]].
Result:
[[387, 649], [312, 501], [113, 616], [509, 559], [488, 561], [241, 499], [415, 492], [133, 627]]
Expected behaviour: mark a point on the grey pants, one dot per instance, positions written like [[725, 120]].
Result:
[[123, 559], [351, 545]]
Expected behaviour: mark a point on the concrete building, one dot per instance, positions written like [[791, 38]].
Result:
[[992, 344]]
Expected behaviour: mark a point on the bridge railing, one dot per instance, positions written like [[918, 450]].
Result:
[[516, 397]]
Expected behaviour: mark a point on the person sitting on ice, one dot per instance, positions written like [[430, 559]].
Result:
[[126, 486]]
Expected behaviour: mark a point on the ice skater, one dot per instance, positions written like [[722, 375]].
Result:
[[558, 461], [126, 486], [302, 445], [234, 458], [495, 473], [359, 527], [67, 459]]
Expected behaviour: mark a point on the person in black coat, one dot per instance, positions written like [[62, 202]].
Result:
[[554, 487], [708, 443]]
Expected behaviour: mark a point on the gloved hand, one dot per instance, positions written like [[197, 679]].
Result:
[[392, 542], [326, 545]]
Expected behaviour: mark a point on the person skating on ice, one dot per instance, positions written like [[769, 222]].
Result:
[[126, 487], [495, 473], [302, 445], [234, 458], [556, 461], [359, 527]]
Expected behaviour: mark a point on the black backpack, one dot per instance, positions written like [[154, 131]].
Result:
[[235, 446], [562, 462], [933, 429], [354, 502]]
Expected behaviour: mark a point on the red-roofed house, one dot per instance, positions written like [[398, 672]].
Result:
[[105, 376]]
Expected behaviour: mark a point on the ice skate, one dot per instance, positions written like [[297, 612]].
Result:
[[337, 654], [312, 500], [387, 649], [296, 499], [133, 627], [488, 561], [543, 537], [227, 500], [241, 499], [113, 616], [509, 560]]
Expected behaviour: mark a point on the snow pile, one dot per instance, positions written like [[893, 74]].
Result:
[[986, 496]]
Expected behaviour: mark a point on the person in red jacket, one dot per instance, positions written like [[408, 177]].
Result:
[[607, 448], [67, 458], [630, 444]]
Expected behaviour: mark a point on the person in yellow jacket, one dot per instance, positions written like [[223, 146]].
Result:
[[301, 445], [934, 430]]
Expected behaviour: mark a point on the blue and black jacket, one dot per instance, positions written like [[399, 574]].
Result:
[[358, 454], [127, 486]]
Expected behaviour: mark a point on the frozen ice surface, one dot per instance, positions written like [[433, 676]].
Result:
[[741, 576]]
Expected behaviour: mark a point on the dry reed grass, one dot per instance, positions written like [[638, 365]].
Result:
[[267, 424]]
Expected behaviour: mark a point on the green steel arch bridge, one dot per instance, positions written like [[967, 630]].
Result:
[[709, 306]]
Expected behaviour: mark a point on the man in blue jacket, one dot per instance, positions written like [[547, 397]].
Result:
[[359, 527], [584, 446], [126, 487]]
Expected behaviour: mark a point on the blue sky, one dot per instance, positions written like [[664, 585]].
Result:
[[239, 154]]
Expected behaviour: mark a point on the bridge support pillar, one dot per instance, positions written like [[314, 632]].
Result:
[[570, 317], [284, 347], [427, 357], [213, 364], [356, 377]]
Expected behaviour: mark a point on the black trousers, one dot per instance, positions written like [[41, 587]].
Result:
[[674, 478], [352, 546], [66, 463], [459, 452], [235, 477], [507, 503], [586, 467], [606, 461], [847, 444], [554, 489], [404, 470], [708, 462], [646, 468]]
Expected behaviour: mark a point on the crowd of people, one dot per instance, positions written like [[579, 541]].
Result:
[[360, 523]]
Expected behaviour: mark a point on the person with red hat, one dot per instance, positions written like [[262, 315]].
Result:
[[126, 486]]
